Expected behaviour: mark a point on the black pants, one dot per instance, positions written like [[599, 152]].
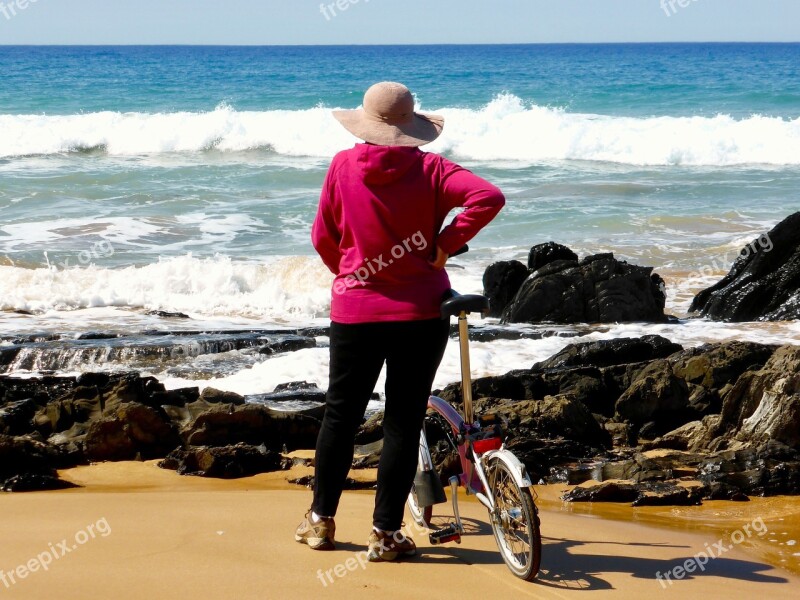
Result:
[[412, 351]]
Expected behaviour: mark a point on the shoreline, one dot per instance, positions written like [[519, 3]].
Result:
[[169, 536]]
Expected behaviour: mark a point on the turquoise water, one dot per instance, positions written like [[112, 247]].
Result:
[[186, 178]]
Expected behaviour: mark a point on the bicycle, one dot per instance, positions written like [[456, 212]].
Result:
[[489, 471]]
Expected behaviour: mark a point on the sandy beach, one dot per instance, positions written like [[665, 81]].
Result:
[[136, 531]]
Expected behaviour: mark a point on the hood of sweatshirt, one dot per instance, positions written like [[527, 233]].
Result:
[[382, 165]]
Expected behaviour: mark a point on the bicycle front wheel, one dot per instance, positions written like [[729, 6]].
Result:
[[515, 522]]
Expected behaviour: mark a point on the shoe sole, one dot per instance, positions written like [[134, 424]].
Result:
[[315, 543], [389, 556]]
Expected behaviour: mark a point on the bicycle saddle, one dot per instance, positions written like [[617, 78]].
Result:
[[454, 304]]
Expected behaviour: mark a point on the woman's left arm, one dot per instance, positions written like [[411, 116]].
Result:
[[325, 234]]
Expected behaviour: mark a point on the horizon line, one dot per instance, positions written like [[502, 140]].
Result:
[[220, 45]]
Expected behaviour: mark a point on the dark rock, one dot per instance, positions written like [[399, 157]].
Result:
[[501, 282], [24, 461], [541, 457], [167, 314], [35, 482], [368, 456], [222, 425], [71, 443], [599, 289], [514, 385], [666, 494], [768, 470], [717, 365], [96, 335], [287, 343], [371, 430], [543, 254], [763, 283], [656, 395], [131, 431], [764, 405], [608, 491], [589, 385], [492, 332], [622, 434], [551, 418], [349, 484], [649, 494], [307, 394], [295, 386], [214, 396], [606, 353], [15, 417], [8, 354], [225, 462], [692, 436], [179, 397], [717, 490]]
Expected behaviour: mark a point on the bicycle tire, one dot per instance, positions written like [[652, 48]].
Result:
[[515, 522]]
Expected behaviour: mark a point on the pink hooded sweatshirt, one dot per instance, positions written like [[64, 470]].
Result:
[[379, 220]]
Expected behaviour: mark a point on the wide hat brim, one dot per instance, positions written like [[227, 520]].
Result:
[[419, 130]]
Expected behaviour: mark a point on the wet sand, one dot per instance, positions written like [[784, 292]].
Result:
[[158, 535]]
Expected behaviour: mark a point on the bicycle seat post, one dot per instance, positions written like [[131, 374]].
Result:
[[466, 373]]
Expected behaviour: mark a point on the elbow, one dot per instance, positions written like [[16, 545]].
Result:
[[497, 199]]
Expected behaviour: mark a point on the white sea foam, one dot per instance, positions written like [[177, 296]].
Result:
[[293, 289], [490, 358], [506, 129]]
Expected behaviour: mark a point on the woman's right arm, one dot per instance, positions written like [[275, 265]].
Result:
[[480, 199]]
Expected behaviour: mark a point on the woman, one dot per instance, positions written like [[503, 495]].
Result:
[[377, 229]]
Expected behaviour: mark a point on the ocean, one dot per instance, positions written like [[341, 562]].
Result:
[[185, 179]]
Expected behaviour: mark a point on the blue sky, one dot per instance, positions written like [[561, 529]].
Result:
[[394, 21]]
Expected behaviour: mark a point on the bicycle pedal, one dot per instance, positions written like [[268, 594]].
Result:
[[445, 535]]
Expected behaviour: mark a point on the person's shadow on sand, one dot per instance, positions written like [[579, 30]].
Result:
[[562, 568]]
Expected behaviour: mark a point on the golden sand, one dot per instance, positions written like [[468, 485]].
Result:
[[165, 536]]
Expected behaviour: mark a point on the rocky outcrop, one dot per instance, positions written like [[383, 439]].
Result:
[[27, 464], [719, 420], [549, 418], [223, 425], [764, 405], [763, 283], [608, 353], [60, 422], [542, 255], [131, 431], [501, 282], [598, 289], [225, 462]]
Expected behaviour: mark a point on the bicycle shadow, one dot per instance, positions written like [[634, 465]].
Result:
[[459, 553], [562, 568], [451, 552]]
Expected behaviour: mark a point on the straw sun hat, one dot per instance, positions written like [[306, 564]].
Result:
[[388, 118]]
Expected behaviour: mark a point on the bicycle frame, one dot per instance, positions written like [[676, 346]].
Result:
[[473, 475], [489, 470]]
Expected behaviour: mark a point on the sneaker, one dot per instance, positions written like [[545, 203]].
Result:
[[385, 546], [318, 536]]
